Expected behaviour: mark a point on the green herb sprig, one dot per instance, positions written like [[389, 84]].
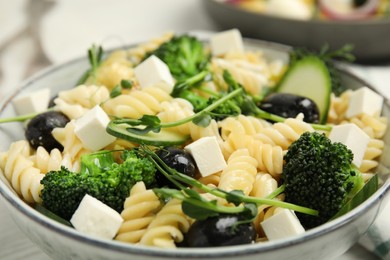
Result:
[[95, 55], [197, 207]]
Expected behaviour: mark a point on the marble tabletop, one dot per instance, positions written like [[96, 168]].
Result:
[[38, 33]]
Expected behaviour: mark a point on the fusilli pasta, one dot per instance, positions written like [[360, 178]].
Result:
[[20, 171], [239, 173], [138, 212], [138, 102], [167, 227], [77, 101]]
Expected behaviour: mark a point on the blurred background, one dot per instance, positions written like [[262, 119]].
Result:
[[35, 34]]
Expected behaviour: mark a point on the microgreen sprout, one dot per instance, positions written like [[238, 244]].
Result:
[[199, 205]]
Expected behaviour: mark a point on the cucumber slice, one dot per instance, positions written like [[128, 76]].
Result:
[[309, 77], [165, 137]]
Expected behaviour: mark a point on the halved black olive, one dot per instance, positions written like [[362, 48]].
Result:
[[222, 230], [178, 159], [38, 131], [289, 105]]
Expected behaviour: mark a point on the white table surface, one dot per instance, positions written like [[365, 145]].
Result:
[[67, 29]]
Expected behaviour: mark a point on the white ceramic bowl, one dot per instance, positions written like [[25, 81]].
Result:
[[61, 242]]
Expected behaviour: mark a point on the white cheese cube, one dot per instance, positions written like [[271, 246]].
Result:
[[93, 217], [207, 155], [226, 41], [152, 71], [91, 129], [284, 223], [353, 137], [32, 102], [364, 100]]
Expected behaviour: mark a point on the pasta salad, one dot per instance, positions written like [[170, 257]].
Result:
[[181, 143]]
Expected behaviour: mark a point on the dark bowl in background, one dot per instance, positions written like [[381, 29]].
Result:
[[370, 38]]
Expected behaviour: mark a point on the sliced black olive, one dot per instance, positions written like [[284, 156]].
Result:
[[289, 105], [38, 131], [178, 159], [222, 230]]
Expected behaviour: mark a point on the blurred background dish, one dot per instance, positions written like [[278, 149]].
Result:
[[294, 23]]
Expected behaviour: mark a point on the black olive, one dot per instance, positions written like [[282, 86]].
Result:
[[289, 105], [38, 131], [178, 159], [221, 230]]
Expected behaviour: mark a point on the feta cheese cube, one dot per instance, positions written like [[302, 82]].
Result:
[[35, 102], [152, 71], [353, 137], [284, 223], [226, 41], [364, 100], [91, 129], [93, 217], [207, 155]]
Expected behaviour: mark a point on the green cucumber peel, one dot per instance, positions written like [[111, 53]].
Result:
[[309, 77]]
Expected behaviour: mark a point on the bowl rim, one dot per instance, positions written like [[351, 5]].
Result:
[[314, 22], [213, 252]]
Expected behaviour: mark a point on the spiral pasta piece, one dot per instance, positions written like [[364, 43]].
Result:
[[138, 102], [252, 82], [264, 185], [46, 161], [77, 101], [269, 157], [138, 212], [284, 134], [374, 126], [167, 227], [338, 107], [112, 70], [73, 148], [241, 124], [374, 150], [239, 173], [20, 172], [137, 53], [211, 180], [174, 110]]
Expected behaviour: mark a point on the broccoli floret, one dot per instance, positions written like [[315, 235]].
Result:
[[99, 177], [318, 174], [184, 55], [228, 108]]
